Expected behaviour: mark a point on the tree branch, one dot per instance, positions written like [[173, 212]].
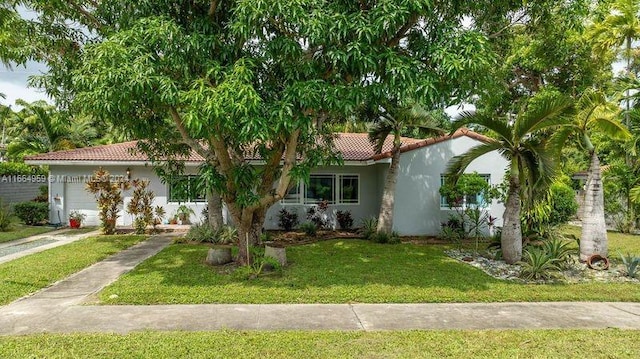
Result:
[[213, 7], [402, 32], [285, 175], [89, 16], [195, 145]]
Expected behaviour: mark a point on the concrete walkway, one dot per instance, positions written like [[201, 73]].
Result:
[[50, 239], [65, 307]]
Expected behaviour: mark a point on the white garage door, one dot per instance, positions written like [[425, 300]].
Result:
[[78, 199]]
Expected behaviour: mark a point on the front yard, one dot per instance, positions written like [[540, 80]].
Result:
[[344, 271], [31, 273], [19, 231]]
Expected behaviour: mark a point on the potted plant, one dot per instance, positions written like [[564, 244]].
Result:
[[184, 214], [76, 218]]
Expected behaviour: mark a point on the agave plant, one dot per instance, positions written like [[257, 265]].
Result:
[[631, 264], [537, 264], [559, 250]]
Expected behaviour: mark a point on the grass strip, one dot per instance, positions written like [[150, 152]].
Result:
[[31, 273], [19, 231], [609, 343]]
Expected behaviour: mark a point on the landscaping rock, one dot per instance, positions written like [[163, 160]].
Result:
[[277, 253], [576, 272], [218, 256]]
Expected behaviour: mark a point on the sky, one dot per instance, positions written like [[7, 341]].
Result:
[[14, 83]]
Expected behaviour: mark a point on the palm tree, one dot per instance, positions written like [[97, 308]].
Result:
[[44, 129], [392, 121], [594, 113], [531, 157], [620, 27]]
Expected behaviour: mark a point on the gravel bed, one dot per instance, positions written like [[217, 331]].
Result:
[[576, 272]]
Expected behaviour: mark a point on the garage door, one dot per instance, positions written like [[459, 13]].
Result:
[[78, 199]]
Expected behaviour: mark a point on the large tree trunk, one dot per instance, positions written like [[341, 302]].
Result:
[[385, 217], [249, 230], [511, 239], [214, 205], [594, 228]]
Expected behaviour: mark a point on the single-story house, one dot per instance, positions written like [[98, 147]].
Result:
[[355, 186]]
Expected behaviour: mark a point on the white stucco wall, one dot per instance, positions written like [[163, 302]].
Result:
[[67, 192], [417, 201], [369, 196]]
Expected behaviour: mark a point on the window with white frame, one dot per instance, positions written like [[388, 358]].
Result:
[[335, 189], [186, 189], [468, 200]]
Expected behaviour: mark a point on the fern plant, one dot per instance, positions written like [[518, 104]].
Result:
[[631, 265], [537, 264]]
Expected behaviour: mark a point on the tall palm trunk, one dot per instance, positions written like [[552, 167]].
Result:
[[385, 217], [214, 206], [594, 229], [511, 239]]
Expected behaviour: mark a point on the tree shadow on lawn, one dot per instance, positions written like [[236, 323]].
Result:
[[329, 271]]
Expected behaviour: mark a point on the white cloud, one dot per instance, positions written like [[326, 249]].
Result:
[[14, 83]]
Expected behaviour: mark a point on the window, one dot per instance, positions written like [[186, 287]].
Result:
[[186, 189], [320, 188], [468, 200], [293, 195], [349, 189], [335, 189]]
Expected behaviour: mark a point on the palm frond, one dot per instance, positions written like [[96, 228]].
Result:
[[458, 164], [549, 112], [378, 134], [611, 127], [496, 125]]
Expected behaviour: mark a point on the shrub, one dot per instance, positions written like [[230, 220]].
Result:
[[318, 215], [369, 228], [141, 205], [20, 169], [5, 216], [32, 212], [309, 228], [537, 264], [563, 203], [227, 234], [631, 265], [386, 237], [43, 196], [202, 233], [453, 230], [108, 194], [344, 219], [258, 265], [287, 220]]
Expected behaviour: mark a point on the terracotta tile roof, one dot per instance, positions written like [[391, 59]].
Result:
[[353, 146], [117, 152]]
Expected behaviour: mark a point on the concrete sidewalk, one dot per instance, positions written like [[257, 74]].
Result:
[[64, 308]]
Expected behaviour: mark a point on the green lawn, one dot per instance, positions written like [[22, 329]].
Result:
[[18, 231], [31, 273], [625, 243], [330, 344], [342, 271]]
